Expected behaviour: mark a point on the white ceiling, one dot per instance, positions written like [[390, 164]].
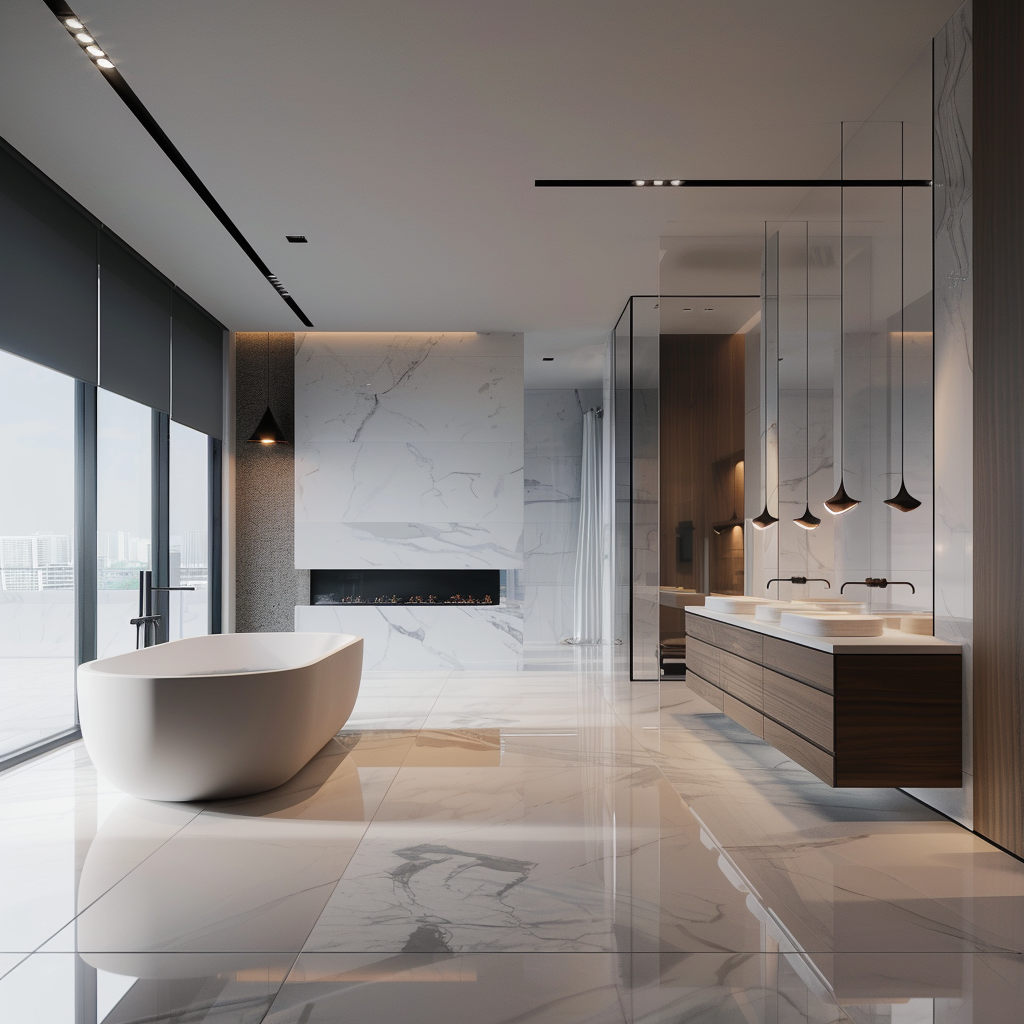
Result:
[[403, 138]]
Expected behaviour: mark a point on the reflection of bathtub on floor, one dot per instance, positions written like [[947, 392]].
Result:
[[245, 879], [217, 716]]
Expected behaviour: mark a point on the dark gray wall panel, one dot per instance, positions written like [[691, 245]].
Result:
[[135, 327], [47, 274], [197, 369]]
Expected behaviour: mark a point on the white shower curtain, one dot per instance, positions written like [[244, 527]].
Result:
[[587, 589]]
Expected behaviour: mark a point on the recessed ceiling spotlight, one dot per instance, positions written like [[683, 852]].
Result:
[[94, 51], [74, 24], [104, 63], [549, 359], [639, 181], [676, 181], [657, 181], [84, 37], [300, 238]]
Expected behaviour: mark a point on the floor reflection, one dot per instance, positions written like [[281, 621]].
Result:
[[582, 850]]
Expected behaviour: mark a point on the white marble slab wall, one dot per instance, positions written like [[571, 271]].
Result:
[[409, 451], [954, 373], [423, 638], [552, 467]]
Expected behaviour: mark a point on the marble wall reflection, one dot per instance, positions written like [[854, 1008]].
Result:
[[409, 450], [552, 465]]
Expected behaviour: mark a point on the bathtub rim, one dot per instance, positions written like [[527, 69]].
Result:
[[91, 667]]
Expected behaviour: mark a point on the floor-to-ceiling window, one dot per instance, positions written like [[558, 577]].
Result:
[[124, 520], [37, 579], [189, 532]]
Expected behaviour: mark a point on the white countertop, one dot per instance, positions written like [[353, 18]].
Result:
[[892, 641]]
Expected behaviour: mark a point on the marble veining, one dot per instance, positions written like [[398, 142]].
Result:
[[408, 451]]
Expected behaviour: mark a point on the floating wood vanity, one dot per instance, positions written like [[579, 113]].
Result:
[[854, 711]]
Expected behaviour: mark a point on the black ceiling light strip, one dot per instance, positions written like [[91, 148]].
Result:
[[728, 183], [62, 12]]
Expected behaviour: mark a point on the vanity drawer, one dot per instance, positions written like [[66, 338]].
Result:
[[806, 754], [703, 659], [743, 679], [701, 628], [751, 720], [816, 668], [744, 642], [701, 687], [800, 707]]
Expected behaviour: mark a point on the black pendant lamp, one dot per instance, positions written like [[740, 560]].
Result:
[[841, 502], [765, 519], [268, 431], [903, 501], [808, 521]]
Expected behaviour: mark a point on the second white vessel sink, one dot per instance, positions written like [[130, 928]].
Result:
[[833, 624]]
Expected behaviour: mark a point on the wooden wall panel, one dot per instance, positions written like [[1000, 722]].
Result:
[[998, 421], [702, 423]]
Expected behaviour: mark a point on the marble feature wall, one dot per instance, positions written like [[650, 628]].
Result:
[[422, 638], [954, 374], [409, 451], [267, 584], [552, 469]]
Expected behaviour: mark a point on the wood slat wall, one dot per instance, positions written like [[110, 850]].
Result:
[[999, 421], [702, 398]]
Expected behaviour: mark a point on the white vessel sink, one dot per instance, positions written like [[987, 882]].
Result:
[[832, 624], [733, 605]]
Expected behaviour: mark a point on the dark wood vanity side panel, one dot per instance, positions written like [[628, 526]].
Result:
[[804, 663], [711, 693], [898, 720]]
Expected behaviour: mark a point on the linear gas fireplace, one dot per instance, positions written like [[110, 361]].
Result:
[[404, 586]]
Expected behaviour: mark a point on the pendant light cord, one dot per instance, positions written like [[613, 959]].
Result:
[[842, 305], [765, 339], [807, 363], [903, 306]]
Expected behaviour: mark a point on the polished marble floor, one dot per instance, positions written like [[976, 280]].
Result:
[[543, 846]]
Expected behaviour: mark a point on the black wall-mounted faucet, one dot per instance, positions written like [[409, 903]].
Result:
[[880, 582], [145, 623], [797, 579]]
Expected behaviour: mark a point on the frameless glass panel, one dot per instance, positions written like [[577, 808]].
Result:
[[123, 517], [617, 408], [646, 525], [37, 579], [189, 538]]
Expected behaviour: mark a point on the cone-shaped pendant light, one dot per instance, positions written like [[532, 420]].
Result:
[[808, 521], [268, 431], [841, 501], [903, 501], [765, 519]]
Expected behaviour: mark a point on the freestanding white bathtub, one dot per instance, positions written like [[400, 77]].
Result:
[[217, 716]]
